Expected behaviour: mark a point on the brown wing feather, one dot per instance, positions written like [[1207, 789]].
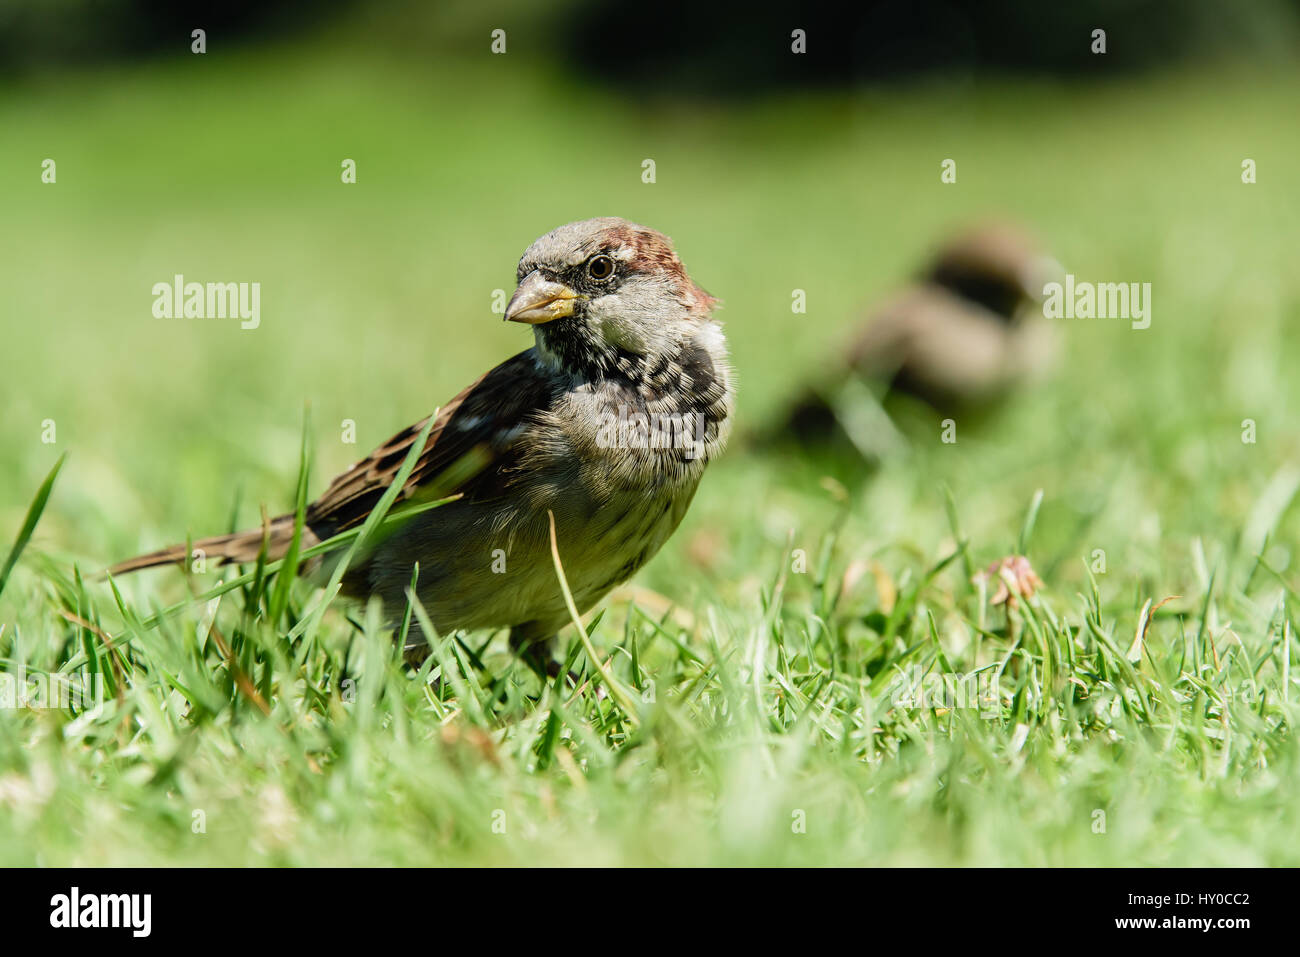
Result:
[[470, 450], [466, 452]]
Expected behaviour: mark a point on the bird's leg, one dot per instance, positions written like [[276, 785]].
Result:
[[535, 649], [414, 655], [417, 648]]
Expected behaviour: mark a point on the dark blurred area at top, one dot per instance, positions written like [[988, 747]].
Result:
[[688, 46], [694, 47]]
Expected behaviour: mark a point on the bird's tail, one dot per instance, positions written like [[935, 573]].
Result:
[[237, 547]]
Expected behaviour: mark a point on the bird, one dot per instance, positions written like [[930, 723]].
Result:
[[959, 338], [606, 423]]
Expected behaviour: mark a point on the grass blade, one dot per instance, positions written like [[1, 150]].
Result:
[[289, 569], [29, 523], [616, 689]]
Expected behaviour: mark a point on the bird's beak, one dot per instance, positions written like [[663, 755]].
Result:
[[539, 300]]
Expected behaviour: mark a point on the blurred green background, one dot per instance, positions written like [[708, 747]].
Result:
[[772, 175]]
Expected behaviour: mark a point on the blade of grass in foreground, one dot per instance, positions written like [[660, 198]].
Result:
[[289, 570], [616, 689], [373, 521], [29, 523], [329, 545], [1031, 519]]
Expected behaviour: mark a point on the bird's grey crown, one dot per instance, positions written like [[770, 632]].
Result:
[[574, 243]]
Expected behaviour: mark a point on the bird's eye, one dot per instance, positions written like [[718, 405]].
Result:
[[600, 268]]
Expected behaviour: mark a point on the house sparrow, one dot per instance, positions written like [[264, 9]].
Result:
[[607, 422], [959, 338]]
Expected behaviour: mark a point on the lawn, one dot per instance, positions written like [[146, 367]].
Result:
[[1141, 704]]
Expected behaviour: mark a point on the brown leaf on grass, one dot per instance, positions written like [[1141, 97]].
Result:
[[1016, 579]]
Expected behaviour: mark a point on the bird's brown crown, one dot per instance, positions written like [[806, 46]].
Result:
[[638, 248]]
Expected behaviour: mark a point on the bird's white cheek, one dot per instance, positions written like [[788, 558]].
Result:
[[621, 333], [709, 334]]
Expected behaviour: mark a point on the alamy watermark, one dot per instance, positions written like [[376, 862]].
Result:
[[931, 690], [1102, 300], [179, 299], [133, 912], [44, 692], [629, 429]]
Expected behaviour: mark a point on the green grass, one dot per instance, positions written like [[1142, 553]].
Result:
[[764, 698]]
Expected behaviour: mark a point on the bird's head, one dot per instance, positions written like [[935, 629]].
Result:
[[996, 264], [600, 291]]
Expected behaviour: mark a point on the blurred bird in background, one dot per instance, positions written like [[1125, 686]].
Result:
[[960, 338]]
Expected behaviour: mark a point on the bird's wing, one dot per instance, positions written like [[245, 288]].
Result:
[[470, 450]]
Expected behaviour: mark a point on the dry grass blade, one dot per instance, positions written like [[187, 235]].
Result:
[[617, 691]]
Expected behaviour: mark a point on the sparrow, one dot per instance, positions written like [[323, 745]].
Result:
[[959, 338], [607, 423]]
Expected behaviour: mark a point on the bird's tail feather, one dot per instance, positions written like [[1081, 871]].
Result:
[[225, 549]]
